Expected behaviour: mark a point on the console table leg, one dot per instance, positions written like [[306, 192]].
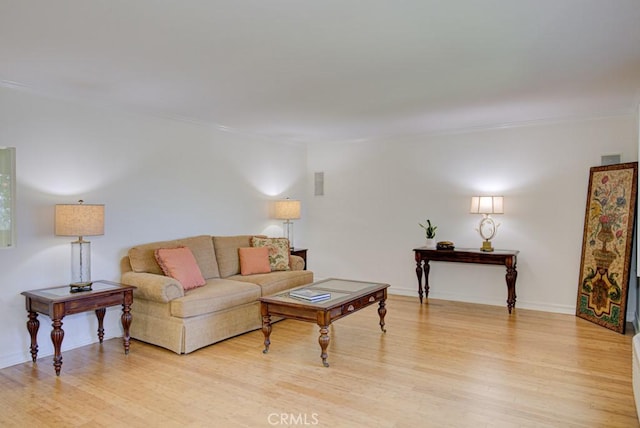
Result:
[[57, 334], [427, 268], [100, 315], [419, 275], [511, 277], [324, 343], [33, 325], [382, 311]]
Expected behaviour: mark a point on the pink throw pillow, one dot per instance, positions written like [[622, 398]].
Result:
[[179, 263], [254, 260], [278, 251]]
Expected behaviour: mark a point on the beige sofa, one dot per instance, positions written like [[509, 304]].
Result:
[[227, 305]]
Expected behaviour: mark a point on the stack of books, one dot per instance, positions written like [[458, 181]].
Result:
[[310, 295]]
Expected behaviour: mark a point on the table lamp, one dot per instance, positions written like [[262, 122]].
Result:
[[287, 209], [80, 220], [487, 205]]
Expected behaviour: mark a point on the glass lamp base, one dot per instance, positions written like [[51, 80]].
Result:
[[80, 265], [287, 227]]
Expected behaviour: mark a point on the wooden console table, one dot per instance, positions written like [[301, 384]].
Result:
[[506, 258], [56, 302]]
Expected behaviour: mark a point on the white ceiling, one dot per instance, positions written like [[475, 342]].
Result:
[[325, 70]]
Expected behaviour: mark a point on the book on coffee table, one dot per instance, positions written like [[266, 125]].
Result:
[[310, 295]]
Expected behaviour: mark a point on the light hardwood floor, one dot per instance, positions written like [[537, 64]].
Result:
[[444, 364]]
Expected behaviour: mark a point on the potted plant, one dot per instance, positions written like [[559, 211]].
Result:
[[430, 231]]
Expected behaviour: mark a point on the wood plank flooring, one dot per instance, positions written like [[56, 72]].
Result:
[[445, 364]]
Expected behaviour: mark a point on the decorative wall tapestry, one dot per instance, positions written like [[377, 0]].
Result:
[[606, 245]]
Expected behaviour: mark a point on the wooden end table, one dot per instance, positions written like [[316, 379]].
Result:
[[300, 252], [508, 258], [346, 298], [56, 302]]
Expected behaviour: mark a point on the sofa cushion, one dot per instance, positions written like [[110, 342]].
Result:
[[142, 257], [226, 248], [179, 263], [254, 260], [275, 282], [216, 295], [278, 251]]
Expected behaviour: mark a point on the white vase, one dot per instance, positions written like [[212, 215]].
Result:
[[431, 243]]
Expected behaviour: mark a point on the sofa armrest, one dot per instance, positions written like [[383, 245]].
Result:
[[296, 262], [150, 286]]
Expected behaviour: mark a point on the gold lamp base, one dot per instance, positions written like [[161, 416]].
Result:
[[486, 246], [77, 287]]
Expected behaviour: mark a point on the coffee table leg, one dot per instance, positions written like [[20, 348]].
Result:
[[33, 325], [382, 311], [57, 334], [266, 330], [324, 343]]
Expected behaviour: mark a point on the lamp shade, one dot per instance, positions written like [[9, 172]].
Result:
[[487, 205], [79, 220], [287, 209]]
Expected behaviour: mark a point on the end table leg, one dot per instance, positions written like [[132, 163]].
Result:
[[382, 311], [125, 319], [33, 325], [324, 343], [266, 330], [100, 315], [57, 334]]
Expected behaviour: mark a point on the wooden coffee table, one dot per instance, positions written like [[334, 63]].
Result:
[[346, 298]]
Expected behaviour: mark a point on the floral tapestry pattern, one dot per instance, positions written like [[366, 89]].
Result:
[[606, 245]]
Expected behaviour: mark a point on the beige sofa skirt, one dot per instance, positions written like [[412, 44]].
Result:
[[184, 335]]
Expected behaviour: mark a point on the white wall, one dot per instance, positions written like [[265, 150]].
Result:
[[159, 179], [366, 225], [162, 179]]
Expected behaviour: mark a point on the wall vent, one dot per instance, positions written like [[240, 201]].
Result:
[[318, 184], [609, 159]]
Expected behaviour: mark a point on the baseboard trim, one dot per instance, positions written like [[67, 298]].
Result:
[[46, 350], [522, 304]]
